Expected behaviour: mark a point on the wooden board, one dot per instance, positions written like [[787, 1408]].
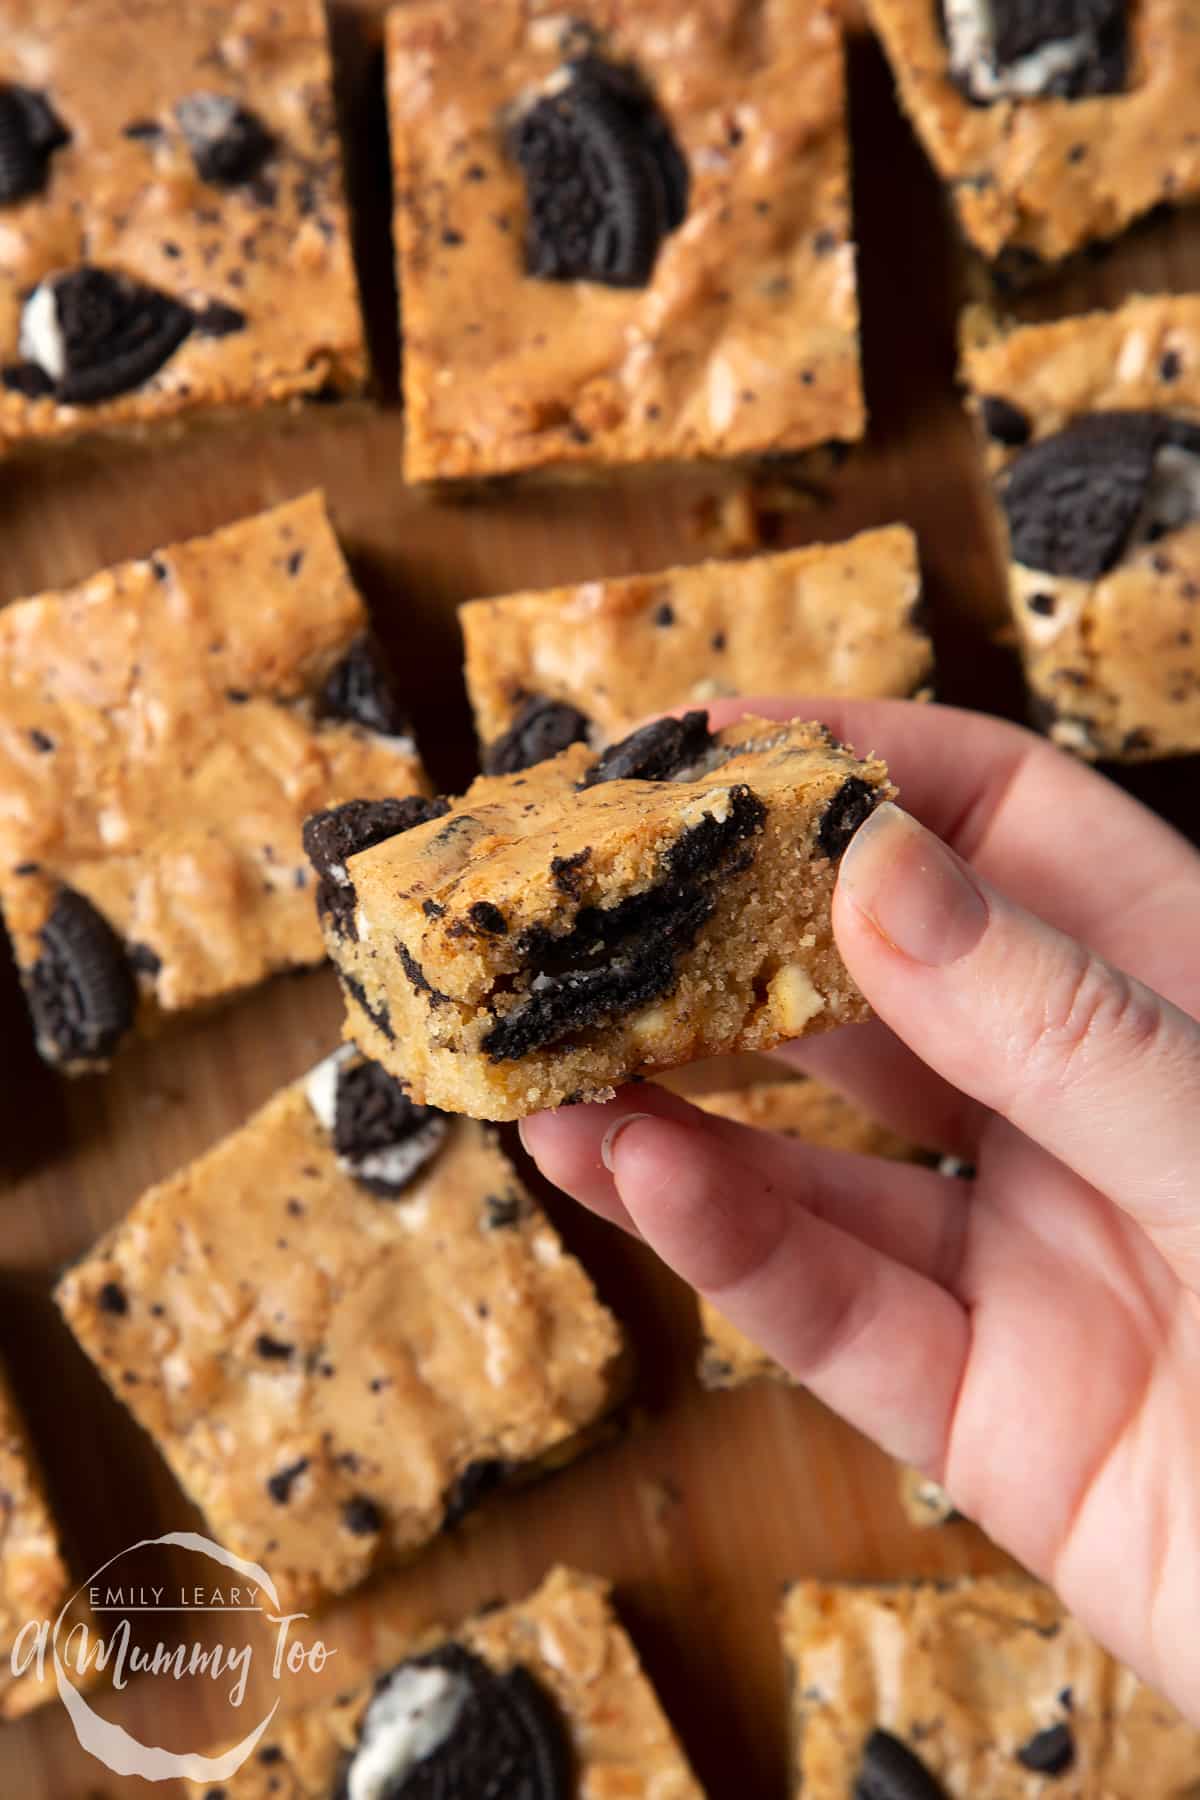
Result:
[[711, 1502]]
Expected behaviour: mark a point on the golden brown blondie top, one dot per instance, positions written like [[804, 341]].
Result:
[[175, 236], [165, 727], [698, 299], [343, 1326], [553, 1679], [827, 619]]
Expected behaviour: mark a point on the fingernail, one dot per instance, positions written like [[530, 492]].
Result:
[[613, 1133], [521, 1135], [916, 892]]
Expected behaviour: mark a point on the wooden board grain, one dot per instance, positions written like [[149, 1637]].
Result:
[[710, 1502]]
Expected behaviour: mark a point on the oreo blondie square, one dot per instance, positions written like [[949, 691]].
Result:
[[173, 230], [1053, 122], [960, 1689], [164, 729], [803, 1109], [623, 232], [1092, 435], [541, 1700], [344, 1326], [33, 1576], [597, 917], [587, 662]]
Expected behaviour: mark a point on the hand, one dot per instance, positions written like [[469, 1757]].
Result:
[[1030, 1338]]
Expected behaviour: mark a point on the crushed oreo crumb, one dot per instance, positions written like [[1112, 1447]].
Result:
[[486, 917], [1004, 422], [361, 1517], [541, 728], [228, 143], [280, 1485], [566, 872], [271, 1350], [113, 1299], [471, 1487], [661, 751], [30, 133], [891, 1770], [359, 690], [854, 802], [1049, 1752], [81, 989], [381, 1136]]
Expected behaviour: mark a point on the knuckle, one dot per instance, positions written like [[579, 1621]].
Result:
[[1090, 1011]]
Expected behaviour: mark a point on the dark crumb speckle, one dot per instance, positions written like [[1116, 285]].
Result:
[[824, 242], [295, 562], [237, 696], [431, 909], [1170, 365], [280, 1485], [566, 872], [362, 1517], [1042, 603], [272, 1349], [452, 239], [270, 1753], [502, 1211], [41, 742], [113, 1299], [664, 614], [142, 130], [718, 640], [488, 918]]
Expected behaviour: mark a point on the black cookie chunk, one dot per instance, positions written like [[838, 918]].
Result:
[[660, 751], [227, 141], [82, 991], [91, 334], [472, 1487], [606, 180], [853, 803], [615, 960], [891, 1771], [1049, 1752], [1072, 500], [1004, 422], [30, 132], [381, 1136], [1021, 28], [505, 1735], [359, 690], [540, 729], [331, 837]]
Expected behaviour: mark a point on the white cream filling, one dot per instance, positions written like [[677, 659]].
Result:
[[398, 1163], [971, 34], [409, 1718], [40, 340], [1172, 496], [320, 1086]]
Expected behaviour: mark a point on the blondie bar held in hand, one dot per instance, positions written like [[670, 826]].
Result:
[[970, 1688], [1092, 434], [540, 1700], [344, 1327], [164, 730], [586, 663], [623, 232], [174, 238], [558, 931]]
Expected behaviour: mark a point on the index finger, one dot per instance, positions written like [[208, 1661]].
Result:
[[1059, 838]]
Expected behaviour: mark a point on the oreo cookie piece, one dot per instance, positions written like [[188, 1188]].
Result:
[[82, 991], [1049, 1752], [540, 729], [331, 837], [664, 750], [853, 803], [228, 143], [605, 178], [30, 133], [1004, 422], [359, 690], [890, 1770], [1072, 500], [1023, 49], [91, 334], [446, 1725], [382, 1138]]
